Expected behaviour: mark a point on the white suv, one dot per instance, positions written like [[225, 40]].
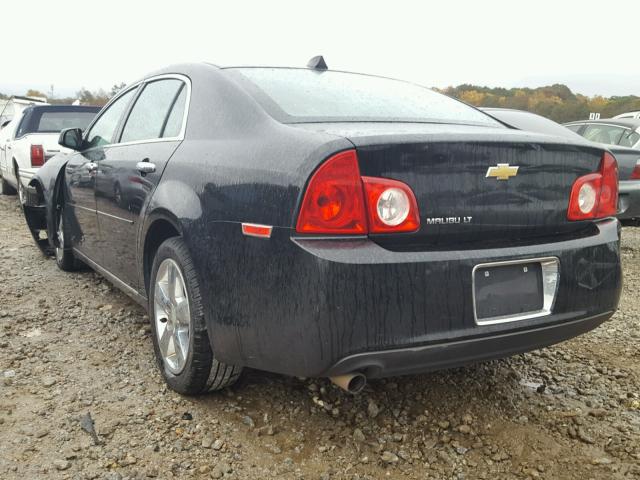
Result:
[[31, 138]]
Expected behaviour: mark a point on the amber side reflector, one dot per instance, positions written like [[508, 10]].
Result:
[[254, 230]]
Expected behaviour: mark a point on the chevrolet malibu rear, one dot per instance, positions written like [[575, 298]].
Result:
[[439, 237], [319, 223]]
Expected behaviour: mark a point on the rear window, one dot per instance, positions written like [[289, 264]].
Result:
[[53, 121], [56, 121], [303, 95]]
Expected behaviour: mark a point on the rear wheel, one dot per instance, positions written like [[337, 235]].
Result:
[[180, 337], [64, 256]]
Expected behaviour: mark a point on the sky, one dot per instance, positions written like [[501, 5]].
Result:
[[593, 47]]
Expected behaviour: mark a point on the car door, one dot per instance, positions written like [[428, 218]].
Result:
[[130, 172], [80, 179]]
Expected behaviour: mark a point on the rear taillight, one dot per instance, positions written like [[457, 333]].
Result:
[[391, 206], [595, 195], [635, 175], [37, 155], [334, 200], [339, 201]]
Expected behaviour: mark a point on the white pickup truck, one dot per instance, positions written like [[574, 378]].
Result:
[[31, 138]]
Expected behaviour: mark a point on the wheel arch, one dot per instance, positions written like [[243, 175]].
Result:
[[159, 226]]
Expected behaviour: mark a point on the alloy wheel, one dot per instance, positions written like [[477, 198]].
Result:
[[60, 235], [172, 315]]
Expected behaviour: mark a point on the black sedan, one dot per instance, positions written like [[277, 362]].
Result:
[[321, 223]]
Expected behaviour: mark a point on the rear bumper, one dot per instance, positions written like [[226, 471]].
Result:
[[312, 307], [629, 203], [442, 355]]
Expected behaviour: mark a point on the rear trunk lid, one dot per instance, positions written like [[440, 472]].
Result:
[[49, 142], [476, 187]]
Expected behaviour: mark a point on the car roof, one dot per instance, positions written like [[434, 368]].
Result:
[[621, 122], [65, 108]]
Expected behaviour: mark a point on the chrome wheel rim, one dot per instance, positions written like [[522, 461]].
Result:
[[60, 235], [172, 316], [21, 193]]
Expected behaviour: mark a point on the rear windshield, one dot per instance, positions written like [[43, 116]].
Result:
[[53, 120], [303, 95]]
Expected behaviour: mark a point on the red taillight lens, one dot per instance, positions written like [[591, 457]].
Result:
[[334, 200], [391, 206], [37, 156], [339, 201], [635, 175], [595, 195]]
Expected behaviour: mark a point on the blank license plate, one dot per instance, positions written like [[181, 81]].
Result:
[[508, 290]]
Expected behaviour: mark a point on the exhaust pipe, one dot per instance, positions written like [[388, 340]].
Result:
[[350, 382]]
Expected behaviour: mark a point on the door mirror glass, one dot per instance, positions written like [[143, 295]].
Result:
[[71, 138]]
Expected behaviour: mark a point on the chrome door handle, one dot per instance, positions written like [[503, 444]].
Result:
[[146, 167]]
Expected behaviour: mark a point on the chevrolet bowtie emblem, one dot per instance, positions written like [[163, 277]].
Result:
[[502, 171]]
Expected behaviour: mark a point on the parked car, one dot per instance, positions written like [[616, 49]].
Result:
[[32, 138], [628, 158], [10, 115], [628, 115], [622, 132], [320, 223]]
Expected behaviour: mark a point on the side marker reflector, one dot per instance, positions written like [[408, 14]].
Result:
[[254, 230]]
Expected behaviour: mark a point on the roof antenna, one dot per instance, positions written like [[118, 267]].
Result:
[[317, 63]]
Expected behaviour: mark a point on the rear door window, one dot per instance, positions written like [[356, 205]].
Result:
[[630, 138], [174, 123], [609, 134], [149, 116], [575, 127]]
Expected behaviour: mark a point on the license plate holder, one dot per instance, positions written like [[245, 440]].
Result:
[[514, 290]]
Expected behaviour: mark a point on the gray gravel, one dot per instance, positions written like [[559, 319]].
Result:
[[80, 398]]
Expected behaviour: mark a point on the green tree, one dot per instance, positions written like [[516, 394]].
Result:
[[35, 93]]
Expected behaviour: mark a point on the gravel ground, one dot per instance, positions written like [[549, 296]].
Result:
[[74, 350]]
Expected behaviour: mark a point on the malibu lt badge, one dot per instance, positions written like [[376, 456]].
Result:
[[447, 220]]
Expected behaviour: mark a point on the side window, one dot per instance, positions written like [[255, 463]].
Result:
[[148, 116], [630, 138], [174, 122], [23, 126], [574, 128], [102, 131], [608, 134]]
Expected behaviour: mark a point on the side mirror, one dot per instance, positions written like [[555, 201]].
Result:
[[71, 138]]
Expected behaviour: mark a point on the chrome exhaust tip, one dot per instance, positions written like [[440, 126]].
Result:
[[350, 382]]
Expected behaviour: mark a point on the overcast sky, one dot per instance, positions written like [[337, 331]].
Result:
[[591, 46]]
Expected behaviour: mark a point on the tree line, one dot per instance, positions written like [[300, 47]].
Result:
[[86, 97], [556, 102]]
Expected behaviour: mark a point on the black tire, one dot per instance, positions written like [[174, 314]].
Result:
[[5, 188], [64, 256], [202, 372]]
